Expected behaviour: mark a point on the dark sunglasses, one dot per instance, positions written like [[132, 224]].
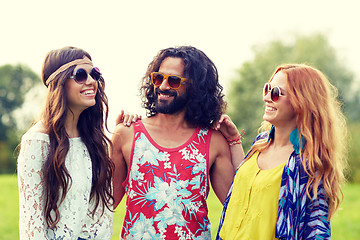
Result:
[[275, 92], [174, 81], [81, 75]]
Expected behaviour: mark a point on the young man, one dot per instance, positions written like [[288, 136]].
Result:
[[164, 161]]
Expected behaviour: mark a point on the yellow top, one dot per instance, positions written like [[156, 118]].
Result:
[[253, 206]]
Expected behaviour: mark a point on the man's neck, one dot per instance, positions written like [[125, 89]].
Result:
[[170, 121], [169, 130]]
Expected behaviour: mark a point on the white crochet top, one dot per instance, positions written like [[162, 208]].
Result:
[[75, 218]]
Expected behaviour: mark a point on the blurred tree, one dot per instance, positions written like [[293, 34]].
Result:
[[246, 106], [353, 173], [15, 82]]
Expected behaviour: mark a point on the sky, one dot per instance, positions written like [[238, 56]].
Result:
[[123, 36]]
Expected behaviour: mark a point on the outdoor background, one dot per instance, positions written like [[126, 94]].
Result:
[[245, 39]]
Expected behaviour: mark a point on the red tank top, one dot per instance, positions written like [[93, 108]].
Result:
[[167, 188]]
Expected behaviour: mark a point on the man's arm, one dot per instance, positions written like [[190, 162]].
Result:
[[221, 169], [121, 141]]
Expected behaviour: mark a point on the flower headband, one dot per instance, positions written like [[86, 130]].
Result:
[[62, 68]]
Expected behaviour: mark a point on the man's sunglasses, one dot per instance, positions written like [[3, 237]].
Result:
[[81, 75], [275, 92], [174, 81]]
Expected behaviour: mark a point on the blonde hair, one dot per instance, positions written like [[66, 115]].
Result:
[[323, 126]]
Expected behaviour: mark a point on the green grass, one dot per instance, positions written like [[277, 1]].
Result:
[[345, 224], [9, 208]]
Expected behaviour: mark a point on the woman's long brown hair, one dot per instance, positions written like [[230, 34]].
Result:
[[91, 124]]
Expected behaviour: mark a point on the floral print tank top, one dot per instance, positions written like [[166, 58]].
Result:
[[167, 188]]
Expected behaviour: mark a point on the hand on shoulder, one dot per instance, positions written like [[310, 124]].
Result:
[[126, 118], [228, 129], [122, 134]]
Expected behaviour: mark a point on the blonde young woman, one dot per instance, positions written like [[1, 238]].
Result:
[[289, 184]]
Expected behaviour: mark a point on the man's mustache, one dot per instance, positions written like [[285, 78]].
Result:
[[166, 92]]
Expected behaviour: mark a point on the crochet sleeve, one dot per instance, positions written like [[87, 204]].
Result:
[[32, 155]]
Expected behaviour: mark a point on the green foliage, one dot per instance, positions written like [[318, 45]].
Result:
[[246, 106], [344, 225], [352, 109], [15, 82], [353, 173]]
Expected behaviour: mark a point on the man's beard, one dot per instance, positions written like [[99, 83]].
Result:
[[176, 105]]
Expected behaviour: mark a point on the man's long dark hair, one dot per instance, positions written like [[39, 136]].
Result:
[[205, 98], [92, 121]]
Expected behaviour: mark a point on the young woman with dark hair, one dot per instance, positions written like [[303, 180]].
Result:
[[64, 168]]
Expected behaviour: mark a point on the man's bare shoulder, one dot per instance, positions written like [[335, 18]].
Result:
[[217, 137], [121, 128], [149, 120], [218, 143], [122, 133]]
